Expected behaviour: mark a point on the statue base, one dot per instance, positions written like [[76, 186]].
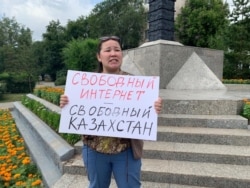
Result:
[[166, 58]]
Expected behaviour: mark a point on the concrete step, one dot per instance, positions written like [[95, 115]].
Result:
[[57, 147], [46, 147], [76, 181], [49, 170], [199, 106], [236, 137], [222, 154], [203, 102], [202, 106], [209, 121], [184, 173], [198, 174], [195, 153]]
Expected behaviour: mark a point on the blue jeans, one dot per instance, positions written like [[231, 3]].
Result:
[[125, 168]]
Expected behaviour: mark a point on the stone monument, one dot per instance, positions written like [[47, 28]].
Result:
[[179, 67], [161, 20]]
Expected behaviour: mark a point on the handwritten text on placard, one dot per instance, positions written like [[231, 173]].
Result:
[[110, 105]]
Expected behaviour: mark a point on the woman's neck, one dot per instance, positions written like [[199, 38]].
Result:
[[112, 72]]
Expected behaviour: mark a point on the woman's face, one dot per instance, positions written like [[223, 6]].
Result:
[[110, 56]]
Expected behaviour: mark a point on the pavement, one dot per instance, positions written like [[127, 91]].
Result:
[[6, 105]]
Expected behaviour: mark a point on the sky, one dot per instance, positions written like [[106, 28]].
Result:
[[36, 14]]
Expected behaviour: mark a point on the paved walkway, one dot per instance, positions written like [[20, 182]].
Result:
[[6, 105]]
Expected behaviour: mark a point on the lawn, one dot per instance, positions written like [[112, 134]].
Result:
[[11, 97]]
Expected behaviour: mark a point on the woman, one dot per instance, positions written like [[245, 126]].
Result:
[[103, 156]]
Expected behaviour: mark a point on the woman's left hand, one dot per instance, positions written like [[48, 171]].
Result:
[[158, 105]]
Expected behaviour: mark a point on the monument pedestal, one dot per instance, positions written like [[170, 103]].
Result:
[[166, 58]]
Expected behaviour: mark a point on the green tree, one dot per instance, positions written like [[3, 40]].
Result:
[[54, 41], [38, 54], [15, 42], [77, 29], [202, 23], [124, 18], [81, 54], [238, 55], [15, 52]]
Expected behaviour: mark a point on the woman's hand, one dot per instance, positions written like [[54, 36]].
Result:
[[158, 105], [63, 100]]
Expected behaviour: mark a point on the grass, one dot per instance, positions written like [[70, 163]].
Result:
[[11, 97]]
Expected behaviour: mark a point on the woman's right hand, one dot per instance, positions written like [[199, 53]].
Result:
[[63, 100]]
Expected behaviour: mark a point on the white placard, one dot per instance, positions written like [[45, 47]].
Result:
[[110, 105]]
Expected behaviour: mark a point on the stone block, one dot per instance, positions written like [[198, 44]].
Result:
[[162, 14], [159, 58], [161, 24], [165, 4], [160, 34]]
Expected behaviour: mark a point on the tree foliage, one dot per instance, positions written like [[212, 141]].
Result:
[[15, 43], [54, 41], [81, 54], [238, 40], [241, 11], [202, 22], [124, 18], [38, 54], [77, 29], [240, 27], [16, 56]]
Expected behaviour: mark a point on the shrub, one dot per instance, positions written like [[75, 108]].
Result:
[[236, 81], [18, 83], [51, 118], [60, 81], [80, 54], [246, 109], [2, 89], [51, 94]]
